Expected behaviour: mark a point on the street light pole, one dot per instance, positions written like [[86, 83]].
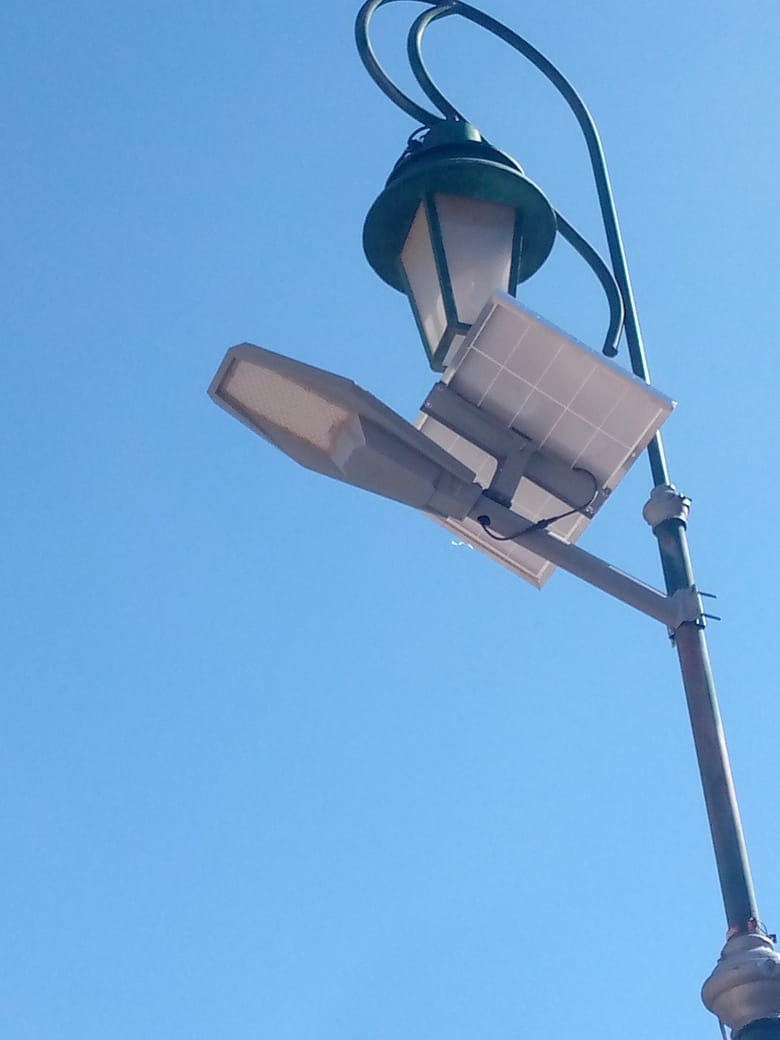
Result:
[[457, 228], [742, 991]]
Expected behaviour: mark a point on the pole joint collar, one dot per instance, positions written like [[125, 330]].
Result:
[[745, 985], [666, 503]]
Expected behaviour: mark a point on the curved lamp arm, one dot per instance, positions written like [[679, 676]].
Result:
[[378, 74], [605, 276], [617, 255]]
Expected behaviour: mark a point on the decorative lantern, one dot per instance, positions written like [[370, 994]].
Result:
[[456, 220]]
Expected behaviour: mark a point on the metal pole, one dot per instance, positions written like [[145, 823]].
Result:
[[667, 514], [736, 884], [744, 989]]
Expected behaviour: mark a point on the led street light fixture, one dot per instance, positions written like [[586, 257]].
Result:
[[571, 409], [330, 425]]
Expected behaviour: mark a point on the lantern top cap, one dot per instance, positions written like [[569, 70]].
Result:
[[448, 138]]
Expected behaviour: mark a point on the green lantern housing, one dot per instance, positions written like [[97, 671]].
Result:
[[456, 220]]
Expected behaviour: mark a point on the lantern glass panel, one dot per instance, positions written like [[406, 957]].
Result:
[[478, 240], [422, 274]]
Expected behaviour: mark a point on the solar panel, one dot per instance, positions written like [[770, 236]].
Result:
[[573, 403]]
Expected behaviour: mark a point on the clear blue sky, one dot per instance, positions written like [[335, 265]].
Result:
[[279, 760]]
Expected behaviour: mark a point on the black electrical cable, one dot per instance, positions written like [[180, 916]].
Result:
[[540, 525]]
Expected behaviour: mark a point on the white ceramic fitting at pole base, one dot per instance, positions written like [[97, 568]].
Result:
[[745, 985]]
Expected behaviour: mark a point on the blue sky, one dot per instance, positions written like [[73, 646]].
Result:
[[279, 760]]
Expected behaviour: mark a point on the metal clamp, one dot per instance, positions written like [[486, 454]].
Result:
[[510, 470], [687, 609]]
